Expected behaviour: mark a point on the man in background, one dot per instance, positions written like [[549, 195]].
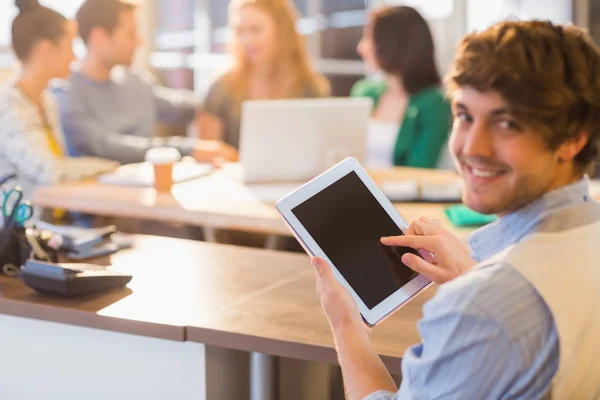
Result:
[[109, 111]]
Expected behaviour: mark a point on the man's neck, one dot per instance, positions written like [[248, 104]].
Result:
[[32, 84], [565, 175], [94, 69]]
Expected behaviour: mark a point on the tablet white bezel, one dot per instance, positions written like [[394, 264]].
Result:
[[308, 190]]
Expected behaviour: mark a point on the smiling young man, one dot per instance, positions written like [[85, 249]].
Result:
[[518, 317]]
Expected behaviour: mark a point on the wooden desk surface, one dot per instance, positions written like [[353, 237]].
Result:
[[248, 299], [217, 201], [173, 281], [288, 321]]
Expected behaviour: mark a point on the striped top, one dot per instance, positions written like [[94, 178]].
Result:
[[488, 334]]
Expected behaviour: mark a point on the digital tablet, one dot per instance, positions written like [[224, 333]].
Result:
[[341, 217]]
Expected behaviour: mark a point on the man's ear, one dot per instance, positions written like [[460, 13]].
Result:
[[97, 35], [569, 149]]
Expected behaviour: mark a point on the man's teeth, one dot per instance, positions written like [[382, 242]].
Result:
[[484, 173]]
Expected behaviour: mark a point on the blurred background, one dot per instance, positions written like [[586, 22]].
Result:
[[185, 40]]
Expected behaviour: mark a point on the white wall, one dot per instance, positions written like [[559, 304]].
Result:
[[6, 73], [481, 14]]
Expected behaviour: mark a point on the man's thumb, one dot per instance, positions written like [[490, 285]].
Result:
[[322, 268]]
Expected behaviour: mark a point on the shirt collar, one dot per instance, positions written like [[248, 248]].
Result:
[[495, 237]]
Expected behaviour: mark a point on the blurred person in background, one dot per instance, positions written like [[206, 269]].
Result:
[[411, 121], [32, 144], [110, 111], [269, 62]]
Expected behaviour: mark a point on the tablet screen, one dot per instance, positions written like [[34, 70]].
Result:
[[347, 222]]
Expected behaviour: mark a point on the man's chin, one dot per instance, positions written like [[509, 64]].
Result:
[[480, 205]]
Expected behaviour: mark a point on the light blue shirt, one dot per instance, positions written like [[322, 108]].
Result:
[[116, 119], [488, 334]]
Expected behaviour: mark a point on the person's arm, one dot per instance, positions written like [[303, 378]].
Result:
[[92, 137], [434, 125], [175, 106], [464, 354], [26, 148], [210, 127], [362, 369]]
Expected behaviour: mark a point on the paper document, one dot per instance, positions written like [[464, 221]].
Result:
[[142, 174]]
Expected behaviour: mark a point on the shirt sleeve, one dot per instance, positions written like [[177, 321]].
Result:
[[483, 337], [381, 395], [175, 106], [452, 361], [215, 100], [91, 137]]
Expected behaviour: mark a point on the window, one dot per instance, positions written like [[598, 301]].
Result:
[[481, 15], [191, 35], [8, 12]]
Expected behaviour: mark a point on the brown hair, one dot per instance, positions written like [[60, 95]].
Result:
[[549, 75], [101, 13], [33, 24], [294, 74], [404, 46]]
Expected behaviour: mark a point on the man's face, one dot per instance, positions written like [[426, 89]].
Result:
[[504, 164], [124, 40]]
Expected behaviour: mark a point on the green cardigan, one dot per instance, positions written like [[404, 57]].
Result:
[[425, 128]]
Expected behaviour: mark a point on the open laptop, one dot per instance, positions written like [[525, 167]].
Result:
[[296, 140]]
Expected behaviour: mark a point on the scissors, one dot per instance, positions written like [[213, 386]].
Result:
[[7, 178], [14, 209]]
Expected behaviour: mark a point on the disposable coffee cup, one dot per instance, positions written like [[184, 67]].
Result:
[[163, 159]]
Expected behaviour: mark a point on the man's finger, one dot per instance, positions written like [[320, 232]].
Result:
[[426, 227], [413, 241], [417, 264]]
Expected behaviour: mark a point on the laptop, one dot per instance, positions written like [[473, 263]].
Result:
[[296, 140]]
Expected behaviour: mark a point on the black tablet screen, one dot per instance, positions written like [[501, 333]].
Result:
[[347, 222]]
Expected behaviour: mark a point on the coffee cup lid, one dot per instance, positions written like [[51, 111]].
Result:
[[163, 155]]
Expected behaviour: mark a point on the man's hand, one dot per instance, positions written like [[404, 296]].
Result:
[[214, 150], [363, 371], [450, 257], [339, 305]]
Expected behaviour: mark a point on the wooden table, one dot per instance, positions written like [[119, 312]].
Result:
[[217, 201], [148, 339], [287, 320]]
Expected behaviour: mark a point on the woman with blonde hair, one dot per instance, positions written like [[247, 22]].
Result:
[[269, 62]]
